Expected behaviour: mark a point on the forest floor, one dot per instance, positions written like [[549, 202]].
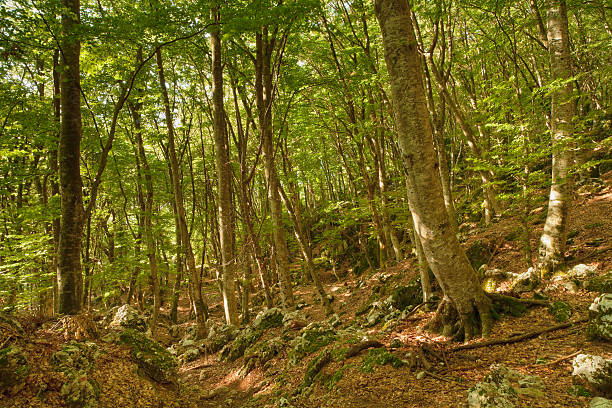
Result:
[[208, 382]]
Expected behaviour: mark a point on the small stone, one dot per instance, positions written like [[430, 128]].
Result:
[[421, 375], [396, 343]]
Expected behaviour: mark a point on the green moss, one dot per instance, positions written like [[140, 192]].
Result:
[[261, 353], [75, 356], [379, 356], [406, 295], [601, 284], [14, 367], [155, 360], [507, 305], [268, 319], [245, 339], [561, 311], [336, 377], [578, 391], [312, 338], [314, 367]]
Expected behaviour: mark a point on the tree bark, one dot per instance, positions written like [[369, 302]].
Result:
[[442, 250], [553, 240], [224, 181], [263, 89], [198, 301], [70, 279]]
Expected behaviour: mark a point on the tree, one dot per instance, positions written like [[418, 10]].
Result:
[[224, 179], [552, 242], [70, 279], [442, 250]]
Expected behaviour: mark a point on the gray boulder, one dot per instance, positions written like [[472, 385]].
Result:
[[526, 281], [219, 336], [76, 360], [502, 387], [600, 318], [594, 372], [582, 271], [127, 317], [155, 360], [14, 367]]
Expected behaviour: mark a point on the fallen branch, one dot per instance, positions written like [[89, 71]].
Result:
[[517, 339], [557, 361]]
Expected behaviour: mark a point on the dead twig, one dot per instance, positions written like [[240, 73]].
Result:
[[557, 361], [517, 339]]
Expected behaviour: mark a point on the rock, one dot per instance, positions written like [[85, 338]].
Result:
[[599, 402], [526, 281], [601, 284], [127, 317], [502, 387], [189, 355], [260, 354], [76, 360], [244, 340], [81, 392], [219, 336], [582, 271], [155, 360], [491, 278], [421, 375], [594, 372], [14, 367], [311, 338], [561, 311], [403, 296], [267, 319], [375, 316], [600, 318]]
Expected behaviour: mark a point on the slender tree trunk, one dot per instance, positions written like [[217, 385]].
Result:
[[553, 240], [442, 250], [53, 168], [224, 182], [263, 89], [198, 301], [70, 279]]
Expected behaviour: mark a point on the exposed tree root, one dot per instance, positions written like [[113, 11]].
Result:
[[516, 339]]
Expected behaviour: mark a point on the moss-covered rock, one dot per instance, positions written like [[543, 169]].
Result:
[[479, 253], [81, 392], [219, 336], [379, 356], [155, 360], [268, 319], [127, 317], [14, 367], [245, 339], [311, 338], [259, 354], [403, 296], [314, 367], [594, 372], [561, 311], [77, 360], [502, 387], [601, 284], [600, 318]]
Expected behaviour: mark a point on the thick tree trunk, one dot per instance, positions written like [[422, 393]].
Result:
[[224, 182], [552, 242], [263, 89], [70, 279], [442, 250], [196, 292]]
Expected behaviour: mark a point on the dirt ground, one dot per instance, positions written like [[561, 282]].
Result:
[[207, 382]]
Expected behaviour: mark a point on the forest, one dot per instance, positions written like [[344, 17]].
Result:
[[305, 203]]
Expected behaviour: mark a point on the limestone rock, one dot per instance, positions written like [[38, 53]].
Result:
[[155, 360], [81, 392], [312, 338], [594, 372], [261, 353], [219, 336], [601, 284], [268, 319], [502, 387], [526, 281], [127, 317], [403, 296], [244, 340], [14, 367], [582, 271], [561, 311], [600, 318], [76, 360]]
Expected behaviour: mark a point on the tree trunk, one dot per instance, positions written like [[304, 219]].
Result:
[[224, 181], [198, 301], [70, 279], [263, 89], [442, 250], [553, 240]]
